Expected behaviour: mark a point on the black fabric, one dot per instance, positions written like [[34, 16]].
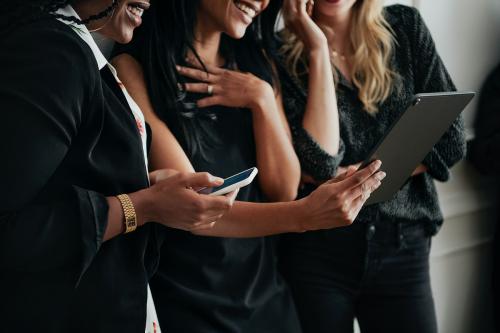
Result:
[[68, 141], [484, 154], [383, 282], [377, 272], [209, 285], [420, 70], [485, 146]]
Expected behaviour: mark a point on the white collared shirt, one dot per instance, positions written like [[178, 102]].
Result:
[[84, 34]]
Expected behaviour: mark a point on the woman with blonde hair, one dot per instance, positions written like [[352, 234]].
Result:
[[376, 270]]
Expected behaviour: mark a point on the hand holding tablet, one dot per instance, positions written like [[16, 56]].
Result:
[[412, 137]]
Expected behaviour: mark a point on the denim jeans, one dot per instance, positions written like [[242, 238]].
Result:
[[377, 272]]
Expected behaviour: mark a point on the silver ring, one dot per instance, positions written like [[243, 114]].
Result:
[[210, 89]]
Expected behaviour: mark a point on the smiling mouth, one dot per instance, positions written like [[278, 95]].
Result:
[[247, 9], [137, 8]]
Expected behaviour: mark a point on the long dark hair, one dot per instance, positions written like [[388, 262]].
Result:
[[269, 19], [163, 41]]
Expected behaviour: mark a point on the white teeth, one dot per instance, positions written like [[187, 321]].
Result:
[[136, 10], [245, 9]]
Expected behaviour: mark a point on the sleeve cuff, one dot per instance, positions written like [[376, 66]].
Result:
[[314, 160], [436, 166], [94, 216]]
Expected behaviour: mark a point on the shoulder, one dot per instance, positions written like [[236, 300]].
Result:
[[401, 15], [406, 22], [48, 66], [50, 45]]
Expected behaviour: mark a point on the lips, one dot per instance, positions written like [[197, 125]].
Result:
[[248, 9], [135, 10]]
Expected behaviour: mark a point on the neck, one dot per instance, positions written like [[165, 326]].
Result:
[[207, 41], [340, 24]]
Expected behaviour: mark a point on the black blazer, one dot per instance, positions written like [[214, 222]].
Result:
[[68, 139]]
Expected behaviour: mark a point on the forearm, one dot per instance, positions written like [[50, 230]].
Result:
[[279, 167], [248, 220], [116, 218], [321, 118]]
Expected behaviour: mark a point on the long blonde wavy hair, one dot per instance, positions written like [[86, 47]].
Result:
[[372, 38]]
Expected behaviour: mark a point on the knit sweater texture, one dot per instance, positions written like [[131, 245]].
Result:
[[420, 70]]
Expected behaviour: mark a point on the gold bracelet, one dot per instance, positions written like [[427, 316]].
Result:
[[129, 212]]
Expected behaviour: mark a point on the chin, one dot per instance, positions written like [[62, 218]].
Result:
[[237, 32], [125, 37]]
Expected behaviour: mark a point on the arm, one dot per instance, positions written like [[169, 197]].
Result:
[[332, 205], [44, 118], [316, 123], [279, 167], [321, 118], [45, 231], [431, 76], [165, 149]]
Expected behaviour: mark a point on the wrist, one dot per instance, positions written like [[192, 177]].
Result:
[[320, 45], [319, 52], [298, 215], [143, 206], [263, 98]]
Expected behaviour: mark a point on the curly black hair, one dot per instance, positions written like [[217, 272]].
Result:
[[15, 13]]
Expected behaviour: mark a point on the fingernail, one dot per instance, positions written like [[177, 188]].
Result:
[[179, 68], [378, 163], [382, 175], [218, 180]]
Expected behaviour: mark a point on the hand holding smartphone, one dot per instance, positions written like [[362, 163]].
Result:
[[232, 183]]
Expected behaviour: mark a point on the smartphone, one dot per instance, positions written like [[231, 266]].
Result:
[[232, 183]]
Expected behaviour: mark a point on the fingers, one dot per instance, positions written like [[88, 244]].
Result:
[[196, 74], [360, 176], [343, 173], [232, 195], [201, 179], [367, 188], [200, 88], [210, 101], [310, 7], [159, 175]]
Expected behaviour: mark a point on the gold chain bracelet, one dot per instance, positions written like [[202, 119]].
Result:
[[129, 212]]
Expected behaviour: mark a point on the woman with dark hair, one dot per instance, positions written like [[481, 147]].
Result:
[[376, 270], [74, 175], [206, 87]]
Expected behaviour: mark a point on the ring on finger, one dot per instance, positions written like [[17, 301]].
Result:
[[210, 89]]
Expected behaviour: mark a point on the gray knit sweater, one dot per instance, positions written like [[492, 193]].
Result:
[[421, 70]]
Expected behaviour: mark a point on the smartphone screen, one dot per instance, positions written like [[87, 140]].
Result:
[[229, 181]]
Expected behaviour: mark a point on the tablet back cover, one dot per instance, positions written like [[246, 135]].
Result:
[[413, 136]]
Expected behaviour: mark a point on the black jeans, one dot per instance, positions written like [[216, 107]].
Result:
[[378, 273]]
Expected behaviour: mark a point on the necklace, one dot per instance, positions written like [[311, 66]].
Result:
[[110, 16], [336, 55]]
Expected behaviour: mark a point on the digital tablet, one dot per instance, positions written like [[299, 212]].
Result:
[[232, 183], [412, 137]]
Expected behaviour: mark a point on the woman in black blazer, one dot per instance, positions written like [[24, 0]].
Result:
[[72, 141]]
